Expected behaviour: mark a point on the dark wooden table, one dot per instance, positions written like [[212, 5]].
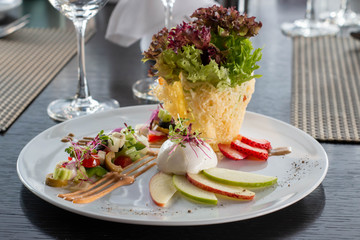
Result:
[[329, 212]]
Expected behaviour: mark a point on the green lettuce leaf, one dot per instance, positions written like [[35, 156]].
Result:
[[240, 63]]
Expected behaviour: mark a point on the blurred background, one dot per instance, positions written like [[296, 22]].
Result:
[[17, 8]]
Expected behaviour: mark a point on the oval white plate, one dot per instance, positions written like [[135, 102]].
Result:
[[298, 173]]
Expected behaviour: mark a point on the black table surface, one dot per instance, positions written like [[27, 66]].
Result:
[[331, 211]]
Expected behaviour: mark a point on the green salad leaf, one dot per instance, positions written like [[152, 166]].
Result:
[[215, 48]]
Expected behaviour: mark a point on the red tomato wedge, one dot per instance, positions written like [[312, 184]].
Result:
[[156, 138], [90, 162], [122, 161]]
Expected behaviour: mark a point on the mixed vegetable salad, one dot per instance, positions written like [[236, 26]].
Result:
[[91, 158]]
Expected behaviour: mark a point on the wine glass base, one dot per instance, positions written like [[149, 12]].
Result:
[[143, 89], [70, 108], [308, 28], [345, 18]]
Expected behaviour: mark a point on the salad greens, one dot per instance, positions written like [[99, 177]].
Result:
[[182, 133], [214, 48]]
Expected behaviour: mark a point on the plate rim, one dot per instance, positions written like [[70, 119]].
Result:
[[219, 220]]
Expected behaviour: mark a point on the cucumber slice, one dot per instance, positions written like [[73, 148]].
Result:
[[130, 139], [143, 151], [139, 146], [164, 115], [98, 171], [61, 173], [130, 151], [134, 156], [81, 174]]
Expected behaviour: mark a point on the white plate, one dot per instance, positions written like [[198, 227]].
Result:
[[298, 173]]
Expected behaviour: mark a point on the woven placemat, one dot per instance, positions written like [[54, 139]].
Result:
[[326, 88], [29, 60]]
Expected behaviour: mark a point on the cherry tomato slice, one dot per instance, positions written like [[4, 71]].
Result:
[[122, 161], [156, 138], [90, 162]]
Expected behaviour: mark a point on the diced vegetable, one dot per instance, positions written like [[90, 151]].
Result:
[[163, 126], [110, 156], [104, 152], [135, 156], [130, 151], [156, 138], [123, 161], [164, 115], [62, 173], [139, 146], [81, 175], [101, 155], [50, 181], [90, 162], [116, 141], [98, 171]]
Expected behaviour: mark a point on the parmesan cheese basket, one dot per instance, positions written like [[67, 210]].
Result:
[[217, 114]]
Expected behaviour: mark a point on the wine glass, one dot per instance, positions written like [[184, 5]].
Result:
[[309, 26], [345, 17], [143, 87], [79, 12], [242, 5]]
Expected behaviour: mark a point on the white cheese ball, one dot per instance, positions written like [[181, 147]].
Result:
[[189, 159]]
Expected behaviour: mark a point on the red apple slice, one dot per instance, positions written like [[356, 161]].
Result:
[[239, 178], [161, 188], [199, 180], [194, 193]]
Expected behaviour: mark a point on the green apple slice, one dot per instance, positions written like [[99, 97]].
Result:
[[239, 178], [199, 180], [192, 192], [161, 188]]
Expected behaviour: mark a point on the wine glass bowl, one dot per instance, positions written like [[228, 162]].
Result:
[[79, 12], [308, 28], [80, 9], [143, 88]]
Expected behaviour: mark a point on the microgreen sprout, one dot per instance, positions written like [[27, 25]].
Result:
[[182, 133], [103, 137], [80, 152], [129, 129]]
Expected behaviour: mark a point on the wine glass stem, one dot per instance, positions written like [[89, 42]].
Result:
[[83, 90], [344, 5], [310, 12], [169, 13], [242, 6]]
